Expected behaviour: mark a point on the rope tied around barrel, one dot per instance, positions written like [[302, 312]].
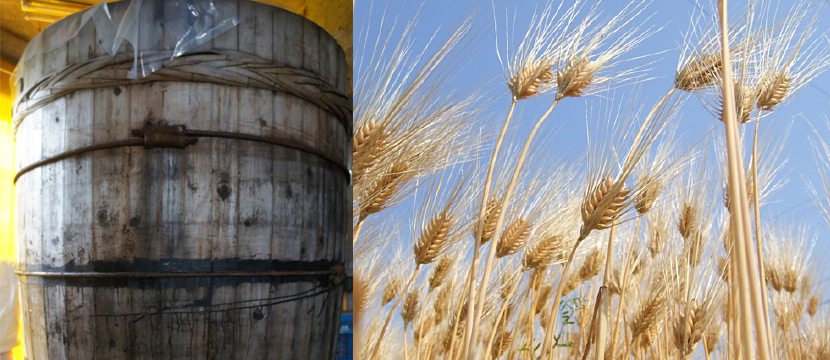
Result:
[[215, 67]]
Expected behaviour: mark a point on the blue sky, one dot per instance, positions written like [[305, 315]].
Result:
[[564, 134]]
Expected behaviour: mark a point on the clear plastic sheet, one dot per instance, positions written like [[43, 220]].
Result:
[[136, 23]]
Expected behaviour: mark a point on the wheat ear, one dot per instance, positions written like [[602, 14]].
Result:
[[514, 238], [491, 214]]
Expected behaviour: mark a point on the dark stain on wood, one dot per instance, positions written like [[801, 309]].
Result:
[[224, 191]]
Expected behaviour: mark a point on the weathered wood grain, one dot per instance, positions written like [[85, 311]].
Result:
[[218, 205]]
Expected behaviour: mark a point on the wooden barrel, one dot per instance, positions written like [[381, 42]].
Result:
[[199, 212]]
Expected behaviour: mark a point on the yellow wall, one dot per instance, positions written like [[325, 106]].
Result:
[[7, 244]]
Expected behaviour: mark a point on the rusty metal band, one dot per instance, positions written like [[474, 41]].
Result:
[[179, 137], [336, 273]]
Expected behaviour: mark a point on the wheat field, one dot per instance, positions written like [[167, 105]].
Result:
[[481, 232]]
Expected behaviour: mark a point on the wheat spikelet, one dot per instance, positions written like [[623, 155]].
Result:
[[805, 287], [745, 97], [393, 286], [434, 238], [649, 311], [514, 238], [410, 306], [602, 207], [648, 337], [530, 78], [693, 319], [440, 271], [658, 234], [699, 73], [501, 343], [688, 223], [592, 265], [490, 216], [422, 328], [575, 77], [772, 278], [540, 255], [812, 305], [615, 282], [691, 327], [647, 195], [442, 302], [544, 317], [772, 89], [787, 256], [571, 283], [382, 190], [370, 142], [542, 298], [508, 284], [711, 337]]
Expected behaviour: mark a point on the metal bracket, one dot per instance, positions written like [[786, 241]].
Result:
[[164, 136]]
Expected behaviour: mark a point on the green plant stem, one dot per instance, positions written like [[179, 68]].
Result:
[[470, 329], [488, 269], [392, 310], [757, 210]]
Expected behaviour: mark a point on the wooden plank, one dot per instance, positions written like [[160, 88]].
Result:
[[173, 167], [145, 195], [261, 316], [104, 334], [228, 40], [263, 31], [279, 23], [311, 47], [242, 321], [246, 30], [79, 327], [108, 112], [37, 322], [30, 226], [327, 55], [77, 199], [220, 323], [198, 219], [225, 181], [280, 329], [292, 45], [256, 175], [54, 123]]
